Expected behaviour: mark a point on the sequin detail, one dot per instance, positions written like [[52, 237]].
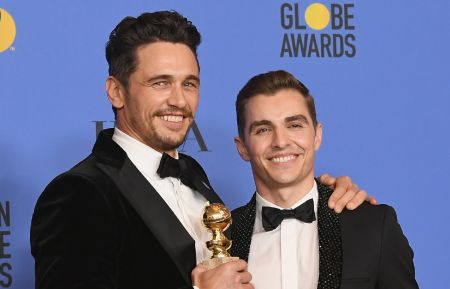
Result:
[[330, 242], [242, 229]]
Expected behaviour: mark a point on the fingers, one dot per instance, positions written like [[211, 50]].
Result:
[[231, 275], [239, 266], [327, 180], [247, 286], [345, 197], [236, 265], [346, 194], [357, 200], [195, 274], [343, 188], [371, 200], [244, 277]]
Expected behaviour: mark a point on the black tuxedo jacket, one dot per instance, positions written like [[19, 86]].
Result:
[[359, 249], [101, 225]]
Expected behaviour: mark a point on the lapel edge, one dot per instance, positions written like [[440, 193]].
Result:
[[147, 203], [242, 230], [330, 242]]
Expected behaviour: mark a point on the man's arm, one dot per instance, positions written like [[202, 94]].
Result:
[[345, 194], [74, 238], [396, 263]]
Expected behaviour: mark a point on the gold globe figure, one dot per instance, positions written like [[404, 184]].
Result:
[[217, 218]]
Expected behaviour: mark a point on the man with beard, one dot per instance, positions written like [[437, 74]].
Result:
[[128, 216]]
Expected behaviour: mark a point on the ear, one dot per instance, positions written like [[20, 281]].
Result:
[[318, 137], [115, 92], [242, 150]]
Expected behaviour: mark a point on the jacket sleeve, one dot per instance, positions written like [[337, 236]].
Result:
[[396, 260], [73, 237]]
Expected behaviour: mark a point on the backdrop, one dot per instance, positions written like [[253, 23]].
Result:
[[379, 71]]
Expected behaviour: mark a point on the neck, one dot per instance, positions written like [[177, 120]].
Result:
[[285, 196]]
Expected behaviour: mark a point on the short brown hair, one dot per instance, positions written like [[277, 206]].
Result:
[[131, 33], [269, 84]]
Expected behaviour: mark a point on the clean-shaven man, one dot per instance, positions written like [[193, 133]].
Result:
[[287, 233]]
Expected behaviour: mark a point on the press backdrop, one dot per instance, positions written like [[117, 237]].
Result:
[[379, 71]]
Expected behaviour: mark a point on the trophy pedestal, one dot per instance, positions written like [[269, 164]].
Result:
[[214, 262]]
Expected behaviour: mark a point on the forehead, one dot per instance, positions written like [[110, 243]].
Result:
[[285, 103], [166, 58]]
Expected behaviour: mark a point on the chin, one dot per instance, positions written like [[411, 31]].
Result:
[[173, 143]]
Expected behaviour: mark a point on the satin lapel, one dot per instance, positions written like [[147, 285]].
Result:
[[330, 243], [201, 181], [242, 229], [158, 217]]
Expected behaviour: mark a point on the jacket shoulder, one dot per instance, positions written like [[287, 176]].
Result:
[[86, 172], [367, 212]]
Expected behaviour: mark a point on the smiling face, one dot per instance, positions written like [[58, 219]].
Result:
[[160, 102], [280, 141]]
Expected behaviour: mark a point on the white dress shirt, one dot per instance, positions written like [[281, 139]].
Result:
[[185, 203], [288, 256]]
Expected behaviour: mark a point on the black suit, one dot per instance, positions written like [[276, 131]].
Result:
[[359, 249], [102, 225]]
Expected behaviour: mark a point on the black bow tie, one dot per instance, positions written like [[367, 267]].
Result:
[[185, 170], [177, 168], [272, 217]]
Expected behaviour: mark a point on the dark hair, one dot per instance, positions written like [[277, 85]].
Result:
[[269, 84], [132, 33]]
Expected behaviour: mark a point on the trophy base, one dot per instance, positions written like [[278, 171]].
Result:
[[214, 262]]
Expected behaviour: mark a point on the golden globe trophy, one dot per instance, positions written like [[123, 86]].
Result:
[[217, 218]]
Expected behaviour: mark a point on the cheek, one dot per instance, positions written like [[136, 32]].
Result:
[[143, 112], [305, 139], [149, 105], [257, 149], [193, 102]]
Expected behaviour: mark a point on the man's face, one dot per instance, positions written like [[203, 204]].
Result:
[[162, 96], [280, 140]]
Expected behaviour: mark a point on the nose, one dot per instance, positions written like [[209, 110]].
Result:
[[177, 97], [280, 138]]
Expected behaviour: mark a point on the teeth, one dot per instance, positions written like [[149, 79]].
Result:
[[172, 118], [283, 159]]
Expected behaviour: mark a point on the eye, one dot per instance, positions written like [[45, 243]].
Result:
[[296, 125], [191, 84], [160, 84], [262, 130]]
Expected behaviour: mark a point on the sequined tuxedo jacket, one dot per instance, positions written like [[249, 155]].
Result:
[[101, 225], [359, 249]]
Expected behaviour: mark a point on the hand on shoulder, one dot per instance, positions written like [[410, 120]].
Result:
[[346, 194]]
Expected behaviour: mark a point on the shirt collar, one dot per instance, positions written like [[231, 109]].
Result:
[[145, 158]]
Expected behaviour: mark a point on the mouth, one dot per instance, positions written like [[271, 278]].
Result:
[[172, 118], [283, 159]]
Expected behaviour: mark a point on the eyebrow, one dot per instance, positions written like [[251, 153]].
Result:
[[299, 117], [157, 77], [193, 77], [170, 77], [257, 123]]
